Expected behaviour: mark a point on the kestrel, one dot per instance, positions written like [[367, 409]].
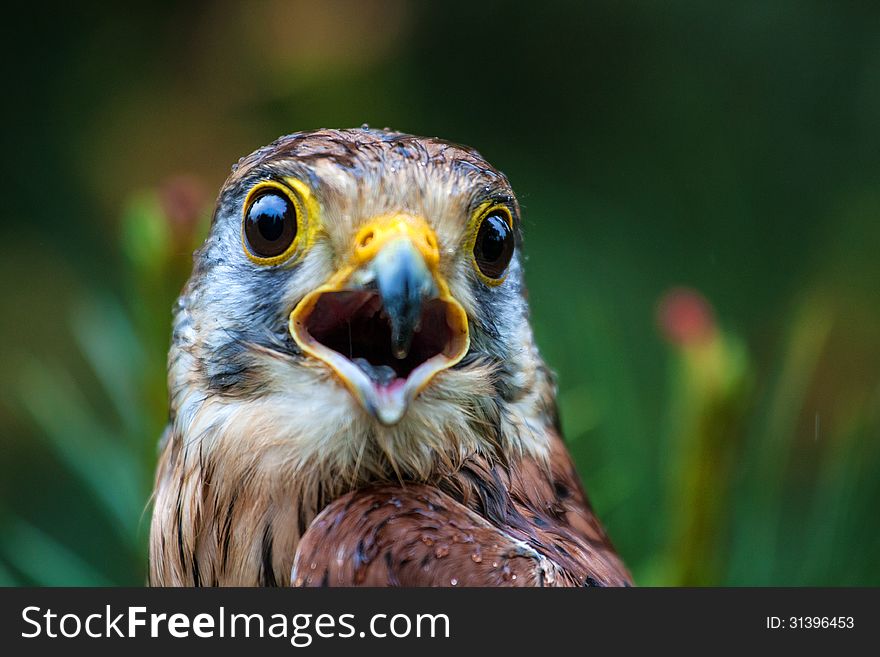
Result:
[[356, 397]]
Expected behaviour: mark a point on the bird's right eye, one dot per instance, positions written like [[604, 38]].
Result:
[[270, 225]]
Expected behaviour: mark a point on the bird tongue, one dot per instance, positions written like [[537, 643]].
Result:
[[389, 399], [381, 375]]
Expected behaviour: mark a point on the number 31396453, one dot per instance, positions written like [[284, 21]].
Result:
[[821, 622]]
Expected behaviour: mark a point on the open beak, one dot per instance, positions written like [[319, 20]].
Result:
[[385, 323]]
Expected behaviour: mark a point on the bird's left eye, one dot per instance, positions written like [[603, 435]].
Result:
[[270, 224], [493, 247]]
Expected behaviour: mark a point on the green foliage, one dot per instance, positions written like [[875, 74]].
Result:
[[107, 442]]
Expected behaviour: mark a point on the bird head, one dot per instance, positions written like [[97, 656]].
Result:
[[359, 305]]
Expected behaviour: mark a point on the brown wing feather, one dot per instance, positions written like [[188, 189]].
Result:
[[492, 524], [412, 536]]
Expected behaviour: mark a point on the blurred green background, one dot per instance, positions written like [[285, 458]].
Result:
[[701, 194]]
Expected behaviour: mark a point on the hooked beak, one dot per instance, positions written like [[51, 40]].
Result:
[[385, 323]]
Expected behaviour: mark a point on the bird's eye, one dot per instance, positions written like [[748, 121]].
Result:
[[493, 247], [270, 223]]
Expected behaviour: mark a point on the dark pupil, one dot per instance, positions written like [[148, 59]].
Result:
[[268, 213], [494, 234], [271, 225], [494, 246]]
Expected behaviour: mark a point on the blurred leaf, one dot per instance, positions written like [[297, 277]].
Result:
[[762, 502], [146, 236], [709, 395], [45, 560], [100, 458], [106, 337]]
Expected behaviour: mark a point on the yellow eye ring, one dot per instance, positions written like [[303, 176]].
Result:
[[491, 246], [274, 220]]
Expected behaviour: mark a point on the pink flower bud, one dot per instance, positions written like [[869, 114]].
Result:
[[685, 317]]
